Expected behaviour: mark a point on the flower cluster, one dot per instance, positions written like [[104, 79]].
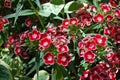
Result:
[[103, 70]]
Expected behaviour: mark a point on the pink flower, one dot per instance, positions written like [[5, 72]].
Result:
[[63, 48], [109, 18], [45, 42], [34, 35], [89, 56], [117, 13], [90, 45], [63, 59], [48, 58], [86, 20], [74, 21], [98, 18], [23, 35], [105, 7], [7, 3], [28, 22], [100, 40]]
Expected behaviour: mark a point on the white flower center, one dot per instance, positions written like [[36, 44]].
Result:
[[73, 22], [49, 58], [34, 35], [45, 43], [62, 49], [100, 40], [66, 23], [63, 58], [89, 56], [99, 19]]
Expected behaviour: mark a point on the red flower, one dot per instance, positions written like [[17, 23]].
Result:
[[7, 3], [11, 39], [28, 22], [100, 40], [86, 39], [23, 35], [63, 59], [74, 21], [86, 73], [105, 7], [45, 42], [90, 45], [80, 45], [34, 35], [117, 29], [117, 13], [48, 58], [17, 50], [98, 18], [63, 48], [65, 23], [114, 2], [1, 27], [5, 21], [7, 45], [95, 77], [89, 56], [109, 18], [106, 31]]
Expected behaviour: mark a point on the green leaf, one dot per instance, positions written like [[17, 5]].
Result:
[[1, 42], [38, 3], [57, 2], [21, 13], [49, 8], [57, 74], [75, 6], [18, 9], [43, 75], [66, 8], [4, 71]]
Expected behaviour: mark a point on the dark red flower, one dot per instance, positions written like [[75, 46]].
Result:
[[84, 17], [117, 37], [95, 77], [45, 42], [109, 18], [63, 59], [28, 22], [48, 58], [25, 55], [7, 45], [63, 48], [74, 21], [114, 2], [90, 45], [98, 18], [7, 3], [86, 73], [89, 56], [86, 39], [1, 27], [34, 35], [100, 40]]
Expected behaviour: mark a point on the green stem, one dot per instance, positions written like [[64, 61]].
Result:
[[36, 13]]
